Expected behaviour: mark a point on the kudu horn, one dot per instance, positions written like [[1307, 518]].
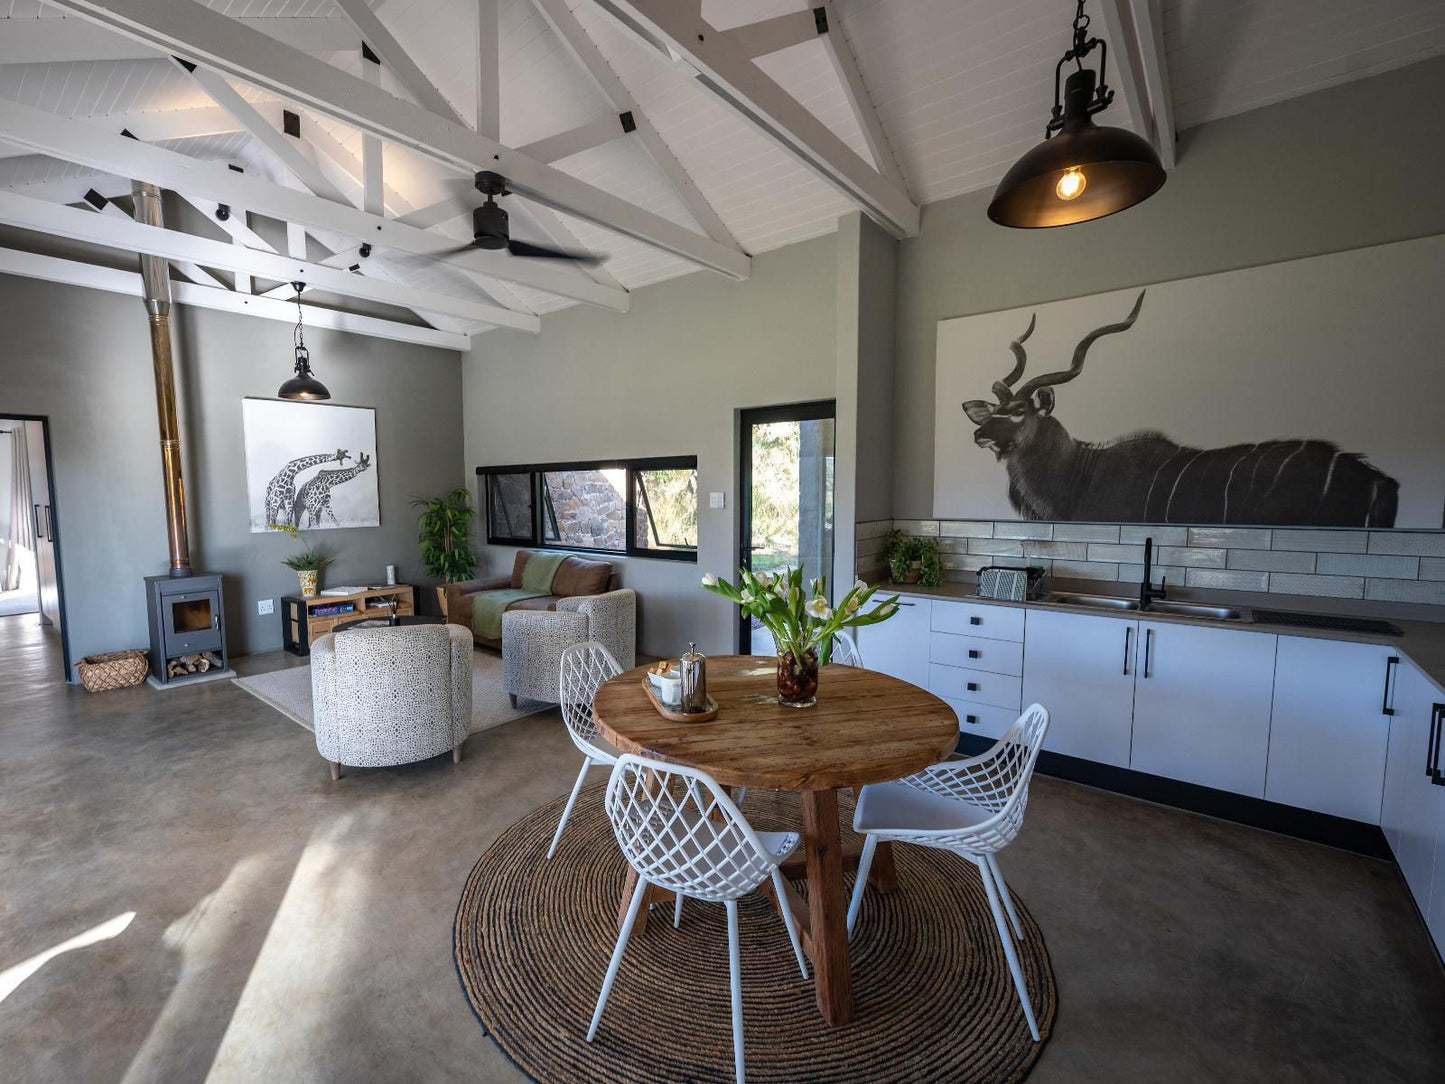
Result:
[[1004, 388], [1049, 379]]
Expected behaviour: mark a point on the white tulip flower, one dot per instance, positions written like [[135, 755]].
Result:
[[765, 579], [748, 596], [860, 586], [709, 580], [818, 607]]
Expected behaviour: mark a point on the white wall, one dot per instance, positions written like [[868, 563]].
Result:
[[667, 378]]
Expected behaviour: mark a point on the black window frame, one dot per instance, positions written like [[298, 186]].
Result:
[[633, 468]]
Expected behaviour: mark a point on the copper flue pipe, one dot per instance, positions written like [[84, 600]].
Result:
[[156, 277]]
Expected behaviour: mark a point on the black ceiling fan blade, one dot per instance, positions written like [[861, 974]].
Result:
[[523, 248], [456, 251]]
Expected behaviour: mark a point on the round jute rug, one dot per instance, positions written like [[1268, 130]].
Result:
[[934, 1000]]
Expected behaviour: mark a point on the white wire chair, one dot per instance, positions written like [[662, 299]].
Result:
[[584, 668], [680, 831], [845, 649], [973, 807]]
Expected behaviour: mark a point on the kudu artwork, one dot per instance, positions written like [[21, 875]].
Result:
[[1145, 477]]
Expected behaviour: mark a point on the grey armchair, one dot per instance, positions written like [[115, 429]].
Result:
[[533, 640], [389, 696]]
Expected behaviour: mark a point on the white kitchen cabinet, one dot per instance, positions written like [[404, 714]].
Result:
[[1201, 705], [974, 686], [899, 646], [989, 620], [1329, 730], [1414, 807], [1081, 667]]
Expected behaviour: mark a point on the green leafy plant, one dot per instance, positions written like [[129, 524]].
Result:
[[797, 613], [445, 533], [902, 550], [309, 559]]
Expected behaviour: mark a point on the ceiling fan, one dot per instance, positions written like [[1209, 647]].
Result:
[[491, 230]]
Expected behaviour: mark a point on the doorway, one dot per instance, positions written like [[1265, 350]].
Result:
[[31, 595], [786, 510]]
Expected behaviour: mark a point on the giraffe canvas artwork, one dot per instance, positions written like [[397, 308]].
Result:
[[310, 465]]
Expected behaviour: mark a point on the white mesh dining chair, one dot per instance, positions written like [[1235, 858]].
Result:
[[680, 831], [973, 807], [583, 669], [845, 650]]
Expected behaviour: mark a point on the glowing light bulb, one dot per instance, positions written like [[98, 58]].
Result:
[[1071, 184]]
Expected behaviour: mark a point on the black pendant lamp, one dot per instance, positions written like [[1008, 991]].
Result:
[[1080, 171], [303, 385]]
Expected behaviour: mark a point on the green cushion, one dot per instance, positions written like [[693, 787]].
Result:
[[540, 570]]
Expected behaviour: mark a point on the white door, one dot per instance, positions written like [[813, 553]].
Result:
[[1422, 802], [1405, 754], [1081, 667], [899, 646], [1201, 705], [1329, 730]]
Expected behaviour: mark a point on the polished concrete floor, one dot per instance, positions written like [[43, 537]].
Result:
[[288, 928]]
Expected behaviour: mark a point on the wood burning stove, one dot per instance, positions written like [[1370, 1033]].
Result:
[[187, 626]]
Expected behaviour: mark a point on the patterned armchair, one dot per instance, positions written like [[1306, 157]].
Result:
[[533, 641], [388, 696]]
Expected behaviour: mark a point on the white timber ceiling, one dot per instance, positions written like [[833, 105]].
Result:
[[945, 95]]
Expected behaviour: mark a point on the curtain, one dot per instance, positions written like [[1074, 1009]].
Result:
[[22, 511]]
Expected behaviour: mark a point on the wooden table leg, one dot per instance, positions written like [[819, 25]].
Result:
[[883, 875], [827, 907]]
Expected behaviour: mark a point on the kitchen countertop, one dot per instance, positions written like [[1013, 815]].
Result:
[[1422, 642]]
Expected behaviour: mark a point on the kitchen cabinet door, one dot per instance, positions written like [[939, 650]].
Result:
[[1405, 754], [899, 646], [1201, 705], [1420, 808], [1329, 730], [1081, 667]]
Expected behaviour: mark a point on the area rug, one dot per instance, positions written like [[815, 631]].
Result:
[[289, 692], [931, 986]]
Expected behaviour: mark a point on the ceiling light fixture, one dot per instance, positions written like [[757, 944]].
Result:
[[1080, 171], [303, 385]]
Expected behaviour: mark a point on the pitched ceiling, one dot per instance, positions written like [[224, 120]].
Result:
[[960, 87]]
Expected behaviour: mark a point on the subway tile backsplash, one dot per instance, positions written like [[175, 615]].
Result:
[[1395, 566]]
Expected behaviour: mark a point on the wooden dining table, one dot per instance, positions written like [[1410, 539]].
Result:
[[866, 727]]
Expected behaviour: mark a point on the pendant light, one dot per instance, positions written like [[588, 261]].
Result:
[[303, 385], [1080, 171]]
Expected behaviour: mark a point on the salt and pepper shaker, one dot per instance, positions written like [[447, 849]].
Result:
[[693, 667], [393, 619]]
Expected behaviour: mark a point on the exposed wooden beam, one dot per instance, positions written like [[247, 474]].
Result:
[[775, 34], [584, 137], [189, 29], [1149, 28], [74, 273], [234, 223], [845, 64], [584, 50], [729, 74], [172, 245], [556, 231], [161, 125], [489, 63], [74, 141], [373, 192], [197, 274], [58, 41], [1125, 72], [384, 44]]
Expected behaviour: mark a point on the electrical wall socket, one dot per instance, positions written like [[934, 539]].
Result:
[[265, 606], [717, 500]]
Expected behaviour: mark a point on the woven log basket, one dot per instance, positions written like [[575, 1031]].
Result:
[[113, 670]]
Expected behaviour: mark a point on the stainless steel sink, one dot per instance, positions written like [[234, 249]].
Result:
[[1096, 602], [1195, 609]]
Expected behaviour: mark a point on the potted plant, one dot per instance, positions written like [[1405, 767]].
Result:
[[801, 621], [445, 534], [308, 564], [913, 560]]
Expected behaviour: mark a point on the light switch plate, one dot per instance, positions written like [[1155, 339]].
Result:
[[717, 500], [265, 606]]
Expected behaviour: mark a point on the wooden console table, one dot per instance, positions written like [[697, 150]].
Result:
[[301, 625]]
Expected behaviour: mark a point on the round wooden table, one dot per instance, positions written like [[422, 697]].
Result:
[[866, 727]]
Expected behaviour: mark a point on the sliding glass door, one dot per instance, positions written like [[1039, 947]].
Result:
[[787, 497]]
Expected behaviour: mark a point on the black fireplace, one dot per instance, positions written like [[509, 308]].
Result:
[[188, 627]]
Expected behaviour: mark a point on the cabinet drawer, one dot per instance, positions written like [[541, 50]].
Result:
[[982, 719], [977, 653], [975, 686], [978, 619]]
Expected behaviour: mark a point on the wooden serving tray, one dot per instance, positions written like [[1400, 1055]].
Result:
[[679, 716]]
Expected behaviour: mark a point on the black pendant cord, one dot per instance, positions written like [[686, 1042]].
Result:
[[298, 337]]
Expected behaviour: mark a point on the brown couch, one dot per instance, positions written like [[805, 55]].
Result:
[[576, 576]]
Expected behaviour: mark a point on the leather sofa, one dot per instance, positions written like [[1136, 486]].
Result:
[[576, 577]]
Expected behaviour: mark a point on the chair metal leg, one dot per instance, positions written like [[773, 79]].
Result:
[[865, 863], [335, 770], [676, 910], [513, 698], [457, 753], [1008, 945], [616, 962], [567, 809], [1008, 903], [789, 921], [735, 982]]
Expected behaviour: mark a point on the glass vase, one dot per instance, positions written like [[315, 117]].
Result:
[[798, 679]]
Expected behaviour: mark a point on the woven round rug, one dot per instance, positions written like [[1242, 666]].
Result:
[[931, 987]]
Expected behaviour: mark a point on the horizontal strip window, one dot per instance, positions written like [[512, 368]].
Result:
[[630, 507]]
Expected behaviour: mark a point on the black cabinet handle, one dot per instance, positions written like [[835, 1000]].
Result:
[[1390, 664], [49, 524], [975, 621], [970, 718], [973, 686], [974, 654], [39, 527], [1128, 636], [1432, 750], [1148, 653]]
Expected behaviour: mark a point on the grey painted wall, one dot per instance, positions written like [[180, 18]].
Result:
[[667, 378], [82, 357], [1340, 169]]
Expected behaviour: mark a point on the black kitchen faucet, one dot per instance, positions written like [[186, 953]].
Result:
[[1148, 593]]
